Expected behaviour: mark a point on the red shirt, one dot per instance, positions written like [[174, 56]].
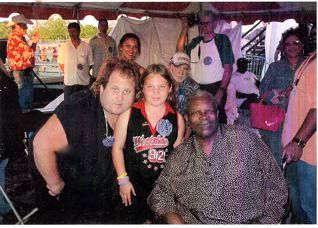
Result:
[[20, 55]]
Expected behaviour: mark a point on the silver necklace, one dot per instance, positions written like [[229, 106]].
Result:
[[108, 141]]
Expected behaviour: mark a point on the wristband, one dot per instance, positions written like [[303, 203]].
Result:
[[122, 175], [299, 142]]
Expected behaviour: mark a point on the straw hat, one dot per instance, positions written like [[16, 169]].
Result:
[[19, 19]]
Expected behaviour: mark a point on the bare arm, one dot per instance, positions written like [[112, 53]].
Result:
[[181, 130], [183, 35], [50, 139], [228, 68], [292, 151], [120, 135]]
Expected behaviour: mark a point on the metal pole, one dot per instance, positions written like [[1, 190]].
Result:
[[11, 205]]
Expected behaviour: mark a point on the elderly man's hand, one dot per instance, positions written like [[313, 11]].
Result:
[[292, 152]]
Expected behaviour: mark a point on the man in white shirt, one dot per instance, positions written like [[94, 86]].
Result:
[[75, 59], [242, 91], [211, 57]]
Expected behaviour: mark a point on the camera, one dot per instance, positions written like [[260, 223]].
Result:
[[192, 19]]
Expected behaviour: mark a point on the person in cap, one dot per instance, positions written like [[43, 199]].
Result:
[[21, 59], [211, 57], [103, 47], [179, 68], [242, 90]]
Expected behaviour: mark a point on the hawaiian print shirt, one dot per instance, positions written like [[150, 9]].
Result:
[[20, 55], [187, 87]]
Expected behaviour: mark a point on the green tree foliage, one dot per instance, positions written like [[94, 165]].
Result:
[[87, 31], [4, 31], [53, 29]]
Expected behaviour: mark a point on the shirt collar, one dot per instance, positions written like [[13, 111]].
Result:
[[198, 150], [141, 106], [100, 37]]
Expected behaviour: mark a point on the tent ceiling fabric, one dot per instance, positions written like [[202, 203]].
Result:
[[247, 12]]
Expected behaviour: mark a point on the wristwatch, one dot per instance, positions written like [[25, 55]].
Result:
[[299, 142]]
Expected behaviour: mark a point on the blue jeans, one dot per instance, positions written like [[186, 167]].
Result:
[[301, 178], [274, 141], [24, 80]]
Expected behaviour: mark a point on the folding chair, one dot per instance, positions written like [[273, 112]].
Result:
[[20, 220]]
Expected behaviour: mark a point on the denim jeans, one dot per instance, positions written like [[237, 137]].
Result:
[[24, 80], [302, 185], [274, 141]]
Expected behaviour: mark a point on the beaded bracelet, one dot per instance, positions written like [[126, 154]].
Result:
[[123, 179], [124, 183]]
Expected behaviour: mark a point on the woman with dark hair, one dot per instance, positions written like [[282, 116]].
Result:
[[130, 48], [278, 82], [148, 131]]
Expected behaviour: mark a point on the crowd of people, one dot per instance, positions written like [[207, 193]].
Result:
[[167, 144]]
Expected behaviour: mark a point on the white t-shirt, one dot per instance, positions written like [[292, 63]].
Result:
[[243, 83], [208, 68], [76, 63]]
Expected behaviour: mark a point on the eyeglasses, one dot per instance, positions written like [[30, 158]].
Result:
[[295, 43]]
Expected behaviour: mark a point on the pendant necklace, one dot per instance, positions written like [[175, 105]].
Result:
[[108, 141]]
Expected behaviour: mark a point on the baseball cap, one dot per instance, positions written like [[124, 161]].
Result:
[[19, 19], [180, 58]]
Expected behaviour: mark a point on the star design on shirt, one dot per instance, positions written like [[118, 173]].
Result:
[[155, 168], [149, 166], [144, 155], [145, 161]]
